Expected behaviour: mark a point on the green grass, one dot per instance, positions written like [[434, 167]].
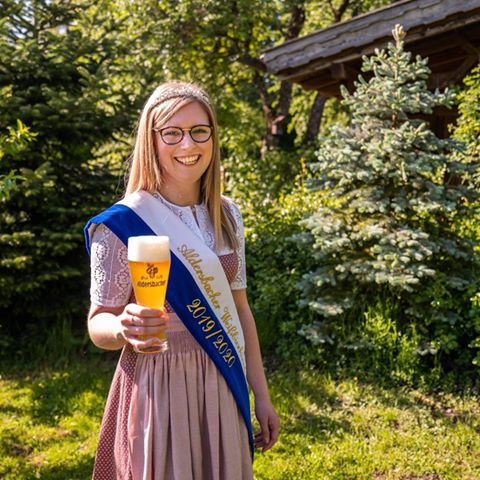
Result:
[[346, 430], [49, 422]]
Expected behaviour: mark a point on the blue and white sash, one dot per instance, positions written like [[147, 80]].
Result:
[[198, 290]]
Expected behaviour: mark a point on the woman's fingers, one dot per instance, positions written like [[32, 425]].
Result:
[[139, 311], [141, 344], [137, 320], [269, 425], [147, 330], [262, 438], [144, 322], [137, 316], [274, 426], [265, 432]]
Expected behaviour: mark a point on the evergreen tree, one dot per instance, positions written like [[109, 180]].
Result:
[[389, 231], [60, 63], [12, 143]]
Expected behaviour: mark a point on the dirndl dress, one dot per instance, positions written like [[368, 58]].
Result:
[[168, 416]]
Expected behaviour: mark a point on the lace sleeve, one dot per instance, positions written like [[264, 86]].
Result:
[[110, 277], [240, 280]]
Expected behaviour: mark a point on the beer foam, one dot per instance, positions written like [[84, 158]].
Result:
[[149, 248]]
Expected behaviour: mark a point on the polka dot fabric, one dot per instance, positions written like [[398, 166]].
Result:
[[112, 460], [183, 383]]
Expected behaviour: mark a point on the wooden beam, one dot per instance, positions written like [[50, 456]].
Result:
[[446, 61], [328, 88], [426, 48], [468, 46]]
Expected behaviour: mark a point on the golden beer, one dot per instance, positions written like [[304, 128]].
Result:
[[149, 262]]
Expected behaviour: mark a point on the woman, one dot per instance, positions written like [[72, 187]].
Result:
[[182, 414]]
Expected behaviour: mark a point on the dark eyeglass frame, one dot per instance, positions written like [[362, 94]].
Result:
[[183, 130]]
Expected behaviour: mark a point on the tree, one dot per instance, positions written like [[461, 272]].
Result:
[[266, 124], [219, 43], [60, 73], [77, 73], [389, 230]]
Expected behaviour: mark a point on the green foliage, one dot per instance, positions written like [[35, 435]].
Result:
[[77, 73], [275, 264], [59, 75], [468, 125], [50, 421], [13, 143], [468, 131], [389, 229], [219, 43]]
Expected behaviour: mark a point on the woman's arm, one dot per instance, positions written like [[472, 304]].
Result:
[[112, 327], [264, 411]]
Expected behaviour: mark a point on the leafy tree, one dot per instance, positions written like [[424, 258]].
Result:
[[468, 125], [468, 130], [77, 74], [219, 43], [60, 73], [388, 235], [275, 265]]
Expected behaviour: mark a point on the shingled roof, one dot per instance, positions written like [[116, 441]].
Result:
[[445, 31]]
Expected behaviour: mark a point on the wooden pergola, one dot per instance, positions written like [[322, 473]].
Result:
[[445, 31]]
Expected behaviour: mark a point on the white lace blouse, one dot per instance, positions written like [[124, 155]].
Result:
[[110, 277]]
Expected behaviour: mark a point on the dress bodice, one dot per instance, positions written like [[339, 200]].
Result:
[[110, 276]]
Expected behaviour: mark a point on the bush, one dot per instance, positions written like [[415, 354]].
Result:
[[275, 264]]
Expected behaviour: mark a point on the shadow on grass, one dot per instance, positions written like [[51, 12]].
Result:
[[305, 400], [318, 406], [442, 407], [316, 426], [79, 471], [58, 392]]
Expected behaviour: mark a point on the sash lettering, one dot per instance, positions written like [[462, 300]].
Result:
[[198, 289]]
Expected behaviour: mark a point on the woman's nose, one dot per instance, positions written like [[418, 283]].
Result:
[[187, 140]]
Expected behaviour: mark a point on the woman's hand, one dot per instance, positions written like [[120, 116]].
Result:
[[269, 425], [136, 320]]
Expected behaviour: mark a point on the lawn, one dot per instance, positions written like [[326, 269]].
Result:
[[49, 421]]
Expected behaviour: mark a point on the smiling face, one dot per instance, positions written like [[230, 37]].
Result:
[[184, 163]]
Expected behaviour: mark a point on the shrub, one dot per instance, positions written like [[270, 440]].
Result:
[[275, 263]]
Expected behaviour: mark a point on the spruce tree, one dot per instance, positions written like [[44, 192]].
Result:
[[61, 66], [389, 231]]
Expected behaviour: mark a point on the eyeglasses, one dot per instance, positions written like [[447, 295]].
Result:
[[174, 135]]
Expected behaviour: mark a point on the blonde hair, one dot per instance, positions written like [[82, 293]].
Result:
[[145, 170]]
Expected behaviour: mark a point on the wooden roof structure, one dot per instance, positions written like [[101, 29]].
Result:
[[445, 31]]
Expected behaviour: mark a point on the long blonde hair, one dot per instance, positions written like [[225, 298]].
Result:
[[145, 170]]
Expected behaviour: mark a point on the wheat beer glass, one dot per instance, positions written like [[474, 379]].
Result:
[[149, 262]]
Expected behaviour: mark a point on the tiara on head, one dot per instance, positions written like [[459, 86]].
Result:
[[183, 90]]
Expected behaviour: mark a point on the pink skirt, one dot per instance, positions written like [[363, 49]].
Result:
[[171, 416]]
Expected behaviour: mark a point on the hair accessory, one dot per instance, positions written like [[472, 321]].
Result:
[[180, 90]]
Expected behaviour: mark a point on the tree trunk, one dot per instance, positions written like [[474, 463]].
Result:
[[277, 118], [314, 119]]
